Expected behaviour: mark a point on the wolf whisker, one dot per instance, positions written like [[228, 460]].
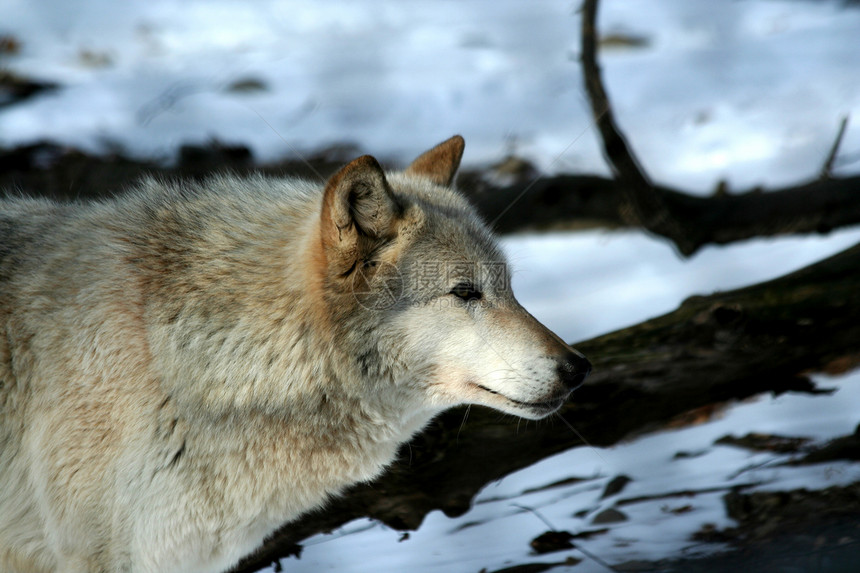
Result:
[[581, 437], [463, 423]]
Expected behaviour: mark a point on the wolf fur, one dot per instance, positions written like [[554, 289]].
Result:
[[189, 366]]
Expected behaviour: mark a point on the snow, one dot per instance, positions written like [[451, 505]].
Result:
[[749, 92], [585, 284], [496, 532]]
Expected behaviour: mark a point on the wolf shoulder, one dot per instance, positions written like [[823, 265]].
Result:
[[154, 213], [24, 231]]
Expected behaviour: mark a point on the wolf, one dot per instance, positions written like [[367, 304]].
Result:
[[190, 365]]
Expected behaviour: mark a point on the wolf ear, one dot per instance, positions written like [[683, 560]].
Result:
[[357, 211], [440, 163]]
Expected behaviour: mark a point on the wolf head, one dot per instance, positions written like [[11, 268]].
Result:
[[420, 293]]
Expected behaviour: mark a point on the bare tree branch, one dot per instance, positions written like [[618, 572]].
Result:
[[615, 147], [691, 222], [643, 204]]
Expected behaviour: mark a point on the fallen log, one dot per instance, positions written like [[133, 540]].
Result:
[[534, 203]]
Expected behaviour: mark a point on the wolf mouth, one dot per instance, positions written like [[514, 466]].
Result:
[[544, 406]]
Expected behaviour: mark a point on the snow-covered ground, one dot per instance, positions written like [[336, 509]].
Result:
[[750, 91], [747, 91], [497, 531]]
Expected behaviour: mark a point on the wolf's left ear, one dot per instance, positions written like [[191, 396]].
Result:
[[440, 163], [358, 210]]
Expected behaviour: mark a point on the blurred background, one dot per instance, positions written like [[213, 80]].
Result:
[[713, 96]]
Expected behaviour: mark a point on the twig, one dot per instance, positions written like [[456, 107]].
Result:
[[827, 168], [537, 514]]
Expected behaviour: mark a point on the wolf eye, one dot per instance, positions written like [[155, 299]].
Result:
[[466, 292]]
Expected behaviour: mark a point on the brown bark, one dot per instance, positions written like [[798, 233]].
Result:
[[577, 201]]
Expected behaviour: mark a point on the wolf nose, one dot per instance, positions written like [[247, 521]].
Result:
[[573, 369]]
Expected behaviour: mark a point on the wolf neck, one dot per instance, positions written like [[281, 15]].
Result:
[[242, 340], [299, 460], [328, 430]]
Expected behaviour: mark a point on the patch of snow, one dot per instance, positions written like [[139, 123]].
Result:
[[495, 533], [586, 284]]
